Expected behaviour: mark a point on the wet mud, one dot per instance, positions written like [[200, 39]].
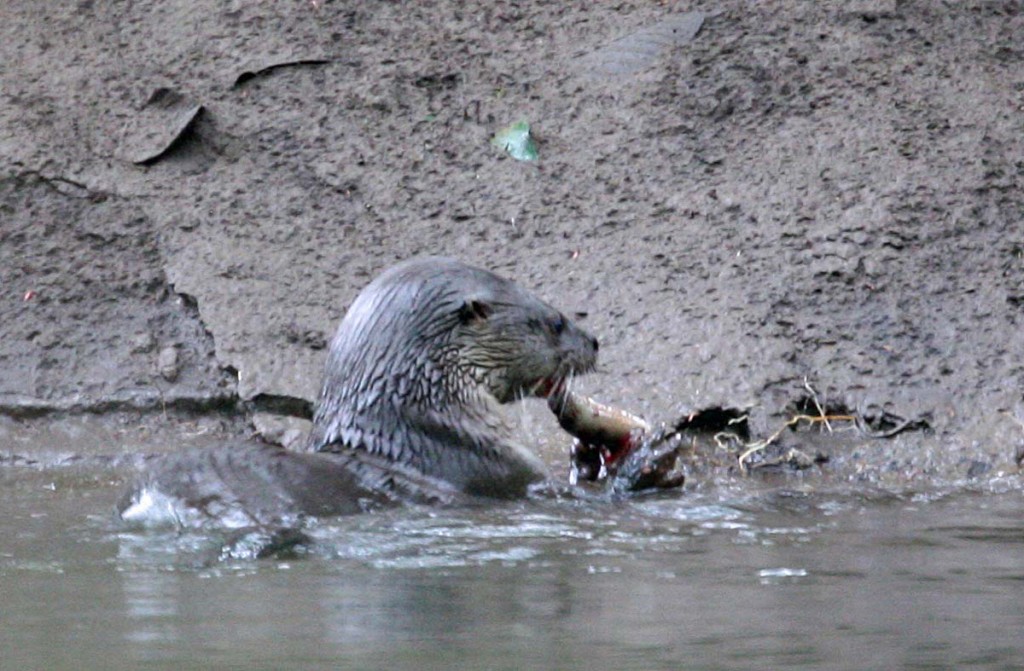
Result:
[[800, 209]]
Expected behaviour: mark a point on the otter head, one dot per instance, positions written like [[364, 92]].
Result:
[[421, 361]]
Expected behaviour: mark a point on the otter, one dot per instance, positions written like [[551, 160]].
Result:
[[423, 357], [408, 410]]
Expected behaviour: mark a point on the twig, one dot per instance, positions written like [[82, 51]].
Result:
[[723, 437], [757, 446], [814, 397]]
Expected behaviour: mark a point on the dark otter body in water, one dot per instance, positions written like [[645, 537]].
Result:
[[408, 410]]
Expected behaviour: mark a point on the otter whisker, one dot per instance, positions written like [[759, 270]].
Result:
[[563, 388], [535, 390]]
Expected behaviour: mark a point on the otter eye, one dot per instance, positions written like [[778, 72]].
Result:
[[474, 311], [558, 325]]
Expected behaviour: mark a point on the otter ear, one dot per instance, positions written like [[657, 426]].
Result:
[[474, 310]]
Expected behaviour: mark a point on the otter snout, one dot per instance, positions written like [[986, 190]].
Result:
[[583, 343], [577, 351]]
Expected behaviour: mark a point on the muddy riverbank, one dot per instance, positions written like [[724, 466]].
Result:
[[798, 203]]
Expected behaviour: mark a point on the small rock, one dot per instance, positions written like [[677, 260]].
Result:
[[142, 342], [288, 432], [293, 439], [978, 468], [167, 363]]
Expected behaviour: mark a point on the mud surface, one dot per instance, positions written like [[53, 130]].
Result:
[[191, 193]]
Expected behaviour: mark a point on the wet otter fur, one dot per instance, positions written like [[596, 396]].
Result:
[[422, 359], [408, 411]]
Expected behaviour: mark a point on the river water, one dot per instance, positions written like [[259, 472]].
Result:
[[747, 576]]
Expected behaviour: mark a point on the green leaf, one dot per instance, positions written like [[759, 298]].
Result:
[[516, 140]]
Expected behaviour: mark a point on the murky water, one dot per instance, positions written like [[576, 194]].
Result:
[[746, 578]]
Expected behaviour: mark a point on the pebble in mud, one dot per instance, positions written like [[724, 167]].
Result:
[[167, 363], [140, 343]]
